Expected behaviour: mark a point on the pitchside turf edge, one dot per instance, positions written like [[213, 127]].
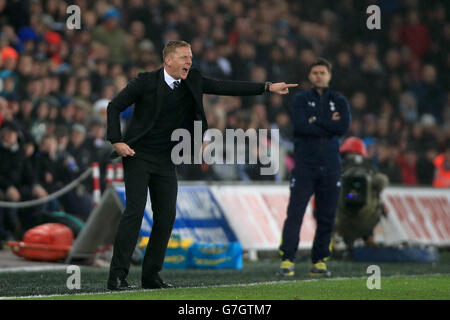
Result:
[[93, 280], [392, 288]]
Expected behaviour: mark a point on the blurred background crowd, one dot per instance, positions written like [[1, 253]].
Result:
[[55, 83]]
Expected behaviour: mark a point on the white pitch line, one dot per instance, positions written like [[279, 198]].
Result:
[[148, 290], [214, 286], [33, 268]]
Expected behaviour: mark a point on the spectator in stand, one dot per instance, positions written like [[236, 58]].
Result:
[[408, 107], [259, 117], [17, 179], [355, 129], [62, 138], [429, 94], [393, 62], [415, 35], [100, 108], [24, 116], [243, 61], [395, 88], [275, 106], [286, 134], [41, 122], [359, 105], [210, 63], [407, 162], [442, 165], [98, 148], [9, 58], [84, 92], [386, 162], [110, 34], [374, 80], [77, 147], [345, 79], [51, 170], [83, 111], [56, 169], [425, 167]]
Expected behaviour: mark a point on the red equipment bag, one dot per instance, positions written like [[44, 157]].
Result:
[[46, 242]]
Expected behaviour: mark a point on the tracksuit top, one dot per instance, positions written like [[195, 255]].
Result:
[[317, 144]]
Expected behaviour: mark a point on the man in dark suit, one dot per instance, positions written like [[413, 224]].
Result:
[[164, 99]]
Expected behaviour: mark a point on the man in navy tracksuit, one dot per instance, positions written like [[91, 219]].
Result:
[[319, 116]]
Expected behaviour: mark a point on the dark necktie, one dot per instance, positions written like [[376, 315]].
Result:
[[176, 84]]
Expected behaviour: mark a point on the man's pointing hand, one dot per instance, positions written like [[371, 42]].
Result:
[[282, 87]]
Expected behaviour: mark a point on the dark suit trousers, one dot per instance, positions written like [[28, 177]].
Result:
[[140, 176]]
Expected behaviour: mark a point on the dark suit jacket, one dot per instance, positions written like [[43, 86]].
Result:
[[146, 92]]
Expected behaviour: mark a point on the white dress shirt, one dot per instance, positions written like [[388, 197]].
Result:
[[169, 79]]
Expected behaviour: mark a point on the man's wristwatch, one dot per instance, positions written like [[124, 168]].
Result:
[[312, 119], [267, 86]]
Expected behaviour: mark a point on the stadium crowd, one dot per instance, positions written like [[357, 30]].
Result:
[[55, 83]]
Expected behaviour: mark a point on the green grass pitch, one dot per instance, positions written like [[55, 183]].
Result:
[[256, 281]]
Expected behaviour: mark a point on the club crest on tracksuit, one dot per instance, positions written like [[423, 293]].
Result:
[[332, 107]]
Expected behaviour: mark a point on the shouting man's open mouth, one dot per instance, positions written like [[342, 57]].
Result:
[[184, 71]]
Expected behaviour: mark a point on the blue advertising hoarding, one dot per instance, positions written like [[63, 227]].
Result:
[[199, 216]]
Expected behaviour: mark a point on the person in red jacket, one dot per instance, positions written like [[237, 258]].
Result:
[[408, 165], [416, 36]]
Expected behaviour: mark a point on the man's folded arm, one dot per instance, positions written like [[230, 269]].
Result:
[[337, 127], [232, 88], [300, 120], [125, 98]]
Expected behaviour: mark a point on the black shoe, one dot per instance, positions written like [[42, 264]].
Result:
[[155, 282], [118, 284]]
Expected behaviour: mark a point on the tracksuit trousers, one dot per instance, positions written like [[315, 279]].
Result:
[[324, 183]]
